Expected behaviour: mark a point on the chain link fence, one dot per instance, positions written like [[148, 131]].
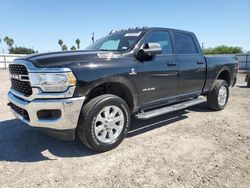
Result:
[[244, 60]]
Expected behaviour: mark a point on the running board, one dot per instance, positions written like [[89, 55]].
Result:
[[168, 109]]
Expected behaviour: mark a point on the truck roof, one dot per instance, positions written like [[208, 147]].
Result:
[[148, 29]]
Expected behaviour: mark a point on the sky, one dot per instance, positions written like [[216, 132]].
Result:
[[40, 24]]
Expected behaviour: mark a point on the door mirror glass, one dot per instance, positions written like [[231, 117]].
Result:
[[152, 48], [149, 51]]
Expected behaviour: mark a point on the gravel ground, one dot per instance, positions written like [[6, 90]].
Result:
[[196, 147]]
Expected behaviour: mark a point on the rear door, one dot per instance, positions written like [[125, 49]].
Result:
[[192, 65], [158, 78]]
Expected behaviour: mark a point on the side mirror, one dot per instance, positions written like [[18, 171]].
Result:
[[149, 50]]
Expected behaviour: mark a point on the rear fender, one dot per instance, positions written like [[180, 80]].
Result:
[[224, 68]]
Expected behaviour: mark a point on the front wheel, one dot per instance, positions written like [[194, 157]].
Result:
[[104, 122], [218, 97]]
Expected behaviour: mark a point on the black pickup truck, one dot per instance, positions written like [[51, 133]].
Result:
[[145, 72]]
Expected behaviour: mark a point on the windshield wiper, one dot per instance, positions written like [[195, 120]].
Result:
[[108, 50]]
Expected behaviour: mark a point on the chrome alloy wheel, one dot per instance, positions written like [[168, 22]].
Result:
[[222, 96], [109, 124]]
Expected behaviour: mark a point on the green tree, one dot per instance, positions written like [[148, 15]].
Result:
[[21, 50], [73, 48], [60, 42], [64, 48], [9, 41], [78, 43], [223, 50]]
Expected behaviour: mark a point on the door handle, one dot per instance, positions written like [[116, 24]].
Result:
[[171, 63], [200, 62]]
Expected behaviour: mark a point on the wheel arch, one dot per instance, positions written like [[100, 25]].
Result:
[[119, 86], [223, 74]]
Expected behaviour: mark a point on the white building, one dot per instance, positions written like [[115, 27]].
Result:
[[5, 59]]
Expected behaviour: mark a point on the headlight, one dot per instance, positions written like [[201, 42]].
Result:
[[52, 82]]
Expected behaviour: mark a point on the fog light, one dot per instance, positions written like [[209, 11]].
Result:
[[49, 114]]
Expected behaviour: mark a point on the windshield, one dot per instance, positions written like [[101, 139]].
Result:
[[120, 42]]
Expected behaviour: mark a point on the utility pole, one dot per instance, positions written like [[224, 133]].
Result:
[[202, 46], [93, 37], [4, 59]]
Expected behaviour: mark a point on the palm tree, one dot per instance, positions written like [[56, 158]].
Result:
[[60, 42], [6, 39], [64, 48], [73, 48], [78, 43], [9, 41]]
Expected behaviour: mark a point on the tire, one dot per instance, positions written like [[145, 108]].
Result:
[[103, 123], [213, 99]]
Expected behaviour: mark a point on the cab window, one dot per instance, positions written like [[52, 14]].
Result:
[[161, 37], [184, 44]]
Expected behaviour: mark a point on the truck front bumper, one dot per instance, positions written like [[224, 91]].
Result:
[[55, 114]]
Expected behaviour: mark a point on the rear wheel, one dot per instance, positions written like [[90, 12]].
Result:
[[104, 122], [218, 97]]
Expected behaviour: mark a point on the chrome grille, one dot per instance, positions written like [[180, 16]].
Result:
[[18, 69], [20, 111], [19, 80], [21, 86]]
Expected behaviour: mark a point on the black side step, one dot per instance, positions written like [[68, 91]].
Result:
[[168, 109]]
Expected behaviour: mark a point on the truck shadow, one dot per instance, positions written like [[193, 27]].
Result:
[[243, 86], [20, 143], [141, 126], [203, 107]]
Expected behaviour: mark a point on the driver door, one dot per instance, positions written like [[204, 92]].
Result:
[[158, 78]]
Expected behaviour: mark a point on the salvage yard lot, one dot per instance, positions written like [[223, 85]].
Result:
[[194, 147]]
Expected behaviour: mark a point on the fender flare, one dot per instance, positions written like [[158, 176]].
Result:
[[119, 80], [224, 68]]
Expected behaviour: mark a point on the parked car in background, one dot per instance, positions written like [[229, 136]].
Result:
[[248, 78]]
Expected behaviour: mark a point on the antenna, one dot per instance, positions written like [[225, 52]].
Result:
[[112, 31], [93, 37]]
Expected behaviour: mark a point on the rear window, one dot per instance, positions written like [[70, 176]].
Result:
[[184, 44]]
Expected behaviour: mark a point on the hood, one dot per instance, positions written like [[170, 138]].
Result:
[[61, 59]]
